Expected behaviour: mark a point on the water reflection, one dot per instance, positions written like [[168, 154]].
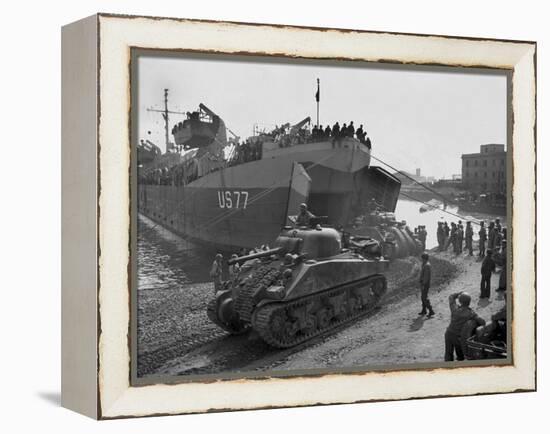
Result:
[[166, 260]]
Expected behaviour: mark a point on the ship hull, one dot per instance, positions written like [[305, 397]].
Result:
[[246, 205]]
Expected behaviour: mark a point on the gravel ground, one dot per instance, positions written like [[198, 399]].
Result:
[[176, 337]]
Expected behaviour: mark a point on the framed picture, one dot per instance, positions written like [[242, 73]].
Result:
[[262, 216]]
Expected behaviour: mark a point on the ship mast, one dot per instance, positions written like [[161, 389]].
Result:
[[165, 114]]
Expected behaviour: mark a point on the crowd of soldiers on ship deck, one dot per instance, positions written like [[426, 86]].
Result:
[[337, 133], [251, 150]]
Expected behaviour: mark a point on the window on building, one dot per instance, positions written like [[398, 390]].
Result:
[[467, 163], [502, 162], [485, 174], [494, 163], [475, 174], [475, 163], [484, 163]]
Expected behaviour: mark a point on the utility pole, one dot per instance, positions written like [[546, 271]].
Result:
[[165, 112], [165, 116]]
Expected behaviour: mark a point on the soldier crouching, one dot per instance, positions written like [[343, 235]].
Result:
[[460, 315]]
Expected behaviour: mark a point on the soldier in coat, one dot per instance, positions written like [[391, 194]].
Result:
[[488, 267], [425, 281], [482, 239], [216, 272], [460, 315], [469, 235]]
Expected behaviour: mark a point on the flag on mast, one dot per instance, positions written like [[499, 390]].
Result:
[[318, 93], [317, 98]]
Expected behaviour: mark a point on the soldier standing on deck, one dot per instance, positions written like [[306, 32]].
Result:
[[425, 280], [469, 234], [216, 272], [460, 315], [482, 239]]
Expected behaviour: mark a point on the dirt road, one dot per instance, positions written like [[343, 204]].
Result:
[[396, 334]]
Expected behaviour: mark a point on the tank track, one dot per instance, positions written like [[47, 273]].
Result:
[[262, 278], [266, 315]]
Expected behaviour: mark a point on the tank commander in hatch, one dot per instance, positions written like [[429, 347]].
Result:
[[304, 216], [373, 205]]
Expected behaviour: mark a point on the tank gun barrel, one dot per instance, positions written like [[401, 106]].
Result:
[[254, 256]]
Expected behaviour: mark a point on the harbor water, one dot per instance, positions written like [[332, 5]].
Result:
[[409, 211], [166, 261]]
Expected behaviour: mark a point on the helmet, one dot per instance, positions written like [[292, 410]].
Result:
[[464, 299], [425, 256]]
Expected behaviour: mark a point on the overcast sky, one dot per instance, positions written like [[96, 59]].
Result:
[[415, 118]]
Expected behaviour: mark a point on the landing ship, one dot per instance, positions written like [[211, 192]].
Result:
[[232, 194]]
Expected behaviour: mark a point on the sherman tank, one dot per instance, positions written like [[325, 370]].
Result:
[[306, 286], [396, 237]]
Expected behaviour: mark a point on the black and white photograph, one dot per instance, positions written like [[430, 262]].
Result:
[[297, 217]]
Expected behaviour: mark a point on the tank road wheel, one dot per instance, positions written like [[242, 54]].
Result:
[[356, 303], [379, 287], [324, 315], [214, 312], [340, 304], [286, 324], [310, 325], [282, 328]]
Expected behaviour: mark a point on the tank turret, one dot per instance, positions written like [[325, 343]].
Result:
[[306, 286]]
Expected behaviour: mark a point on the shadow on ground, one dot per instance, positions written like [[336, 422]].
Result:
[[417, 324], [52, 398]]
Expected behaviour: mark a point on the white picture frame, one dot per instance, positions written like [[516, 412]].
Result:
[[96, 293]]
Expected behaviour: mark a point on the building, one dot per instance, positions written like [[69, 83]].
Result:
[[407, 178], [485, 172]]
